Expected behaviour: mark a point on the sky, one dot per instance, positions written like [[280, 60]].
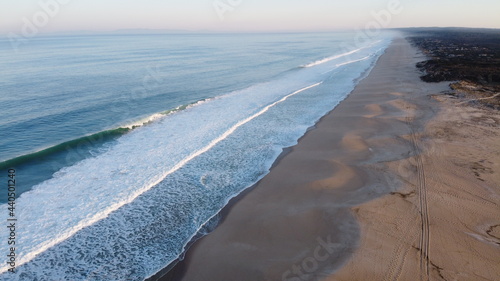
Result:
[[47, 16]]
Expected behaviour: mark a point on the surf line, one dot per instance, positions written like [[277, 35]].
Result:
[[346, 63], [334, 57], [102, 215]]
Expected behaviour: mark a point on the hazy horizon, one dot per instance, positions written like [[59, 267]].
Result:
[[67, 16], [145, 31]]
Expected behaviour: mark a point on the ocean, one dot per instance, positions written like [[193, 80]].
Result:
[[126, 146]]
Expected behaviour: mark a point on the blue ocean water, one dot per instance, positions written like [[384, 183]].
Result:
[[125, 146]]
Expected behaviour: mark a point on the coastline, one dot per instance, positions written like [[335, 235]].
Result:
[[176, 270], [350, 201]]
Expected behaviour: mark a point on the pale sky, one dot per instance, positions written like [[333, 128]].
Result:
[[241, 15]]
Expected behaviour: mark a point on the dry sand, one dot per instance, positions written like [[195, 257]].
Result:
[[394, 184]]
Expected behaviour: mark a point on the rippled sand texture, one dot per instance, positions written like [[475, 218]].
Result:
[[396, 183]]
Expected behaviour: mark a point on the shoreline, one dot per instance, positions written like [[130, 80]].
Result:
[[176, 270], [356, 197]]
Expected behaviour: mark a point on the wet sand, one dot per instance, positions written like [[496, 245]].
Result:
[[396, 183]]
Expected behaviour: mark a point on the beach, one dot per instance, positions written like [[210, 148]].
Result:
[[398, 182], [250, 141], [156, 147]]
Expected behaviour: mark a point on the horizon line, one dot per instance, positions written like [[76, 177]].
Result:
[[139, 31]]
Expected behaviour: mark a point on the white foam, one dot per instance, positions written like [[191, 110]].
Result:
[[156, 116], [144, 121], [192, 139], [104, 175], [332, 58]]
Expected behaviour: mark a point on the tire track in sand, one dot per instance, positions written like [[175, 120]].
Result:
[[424, 208]]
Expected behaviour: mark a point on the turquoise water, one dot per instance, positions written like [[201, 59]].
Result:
[[126, 145]]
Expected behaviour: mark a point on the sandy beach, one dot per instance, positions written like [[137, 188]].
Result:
[[399, 182]]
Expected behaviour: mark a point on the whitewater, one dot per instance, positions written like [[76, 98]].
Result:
[[129, 211]]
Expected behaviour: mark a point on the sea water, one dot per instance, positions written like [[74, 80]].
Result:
[[126, 146]]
